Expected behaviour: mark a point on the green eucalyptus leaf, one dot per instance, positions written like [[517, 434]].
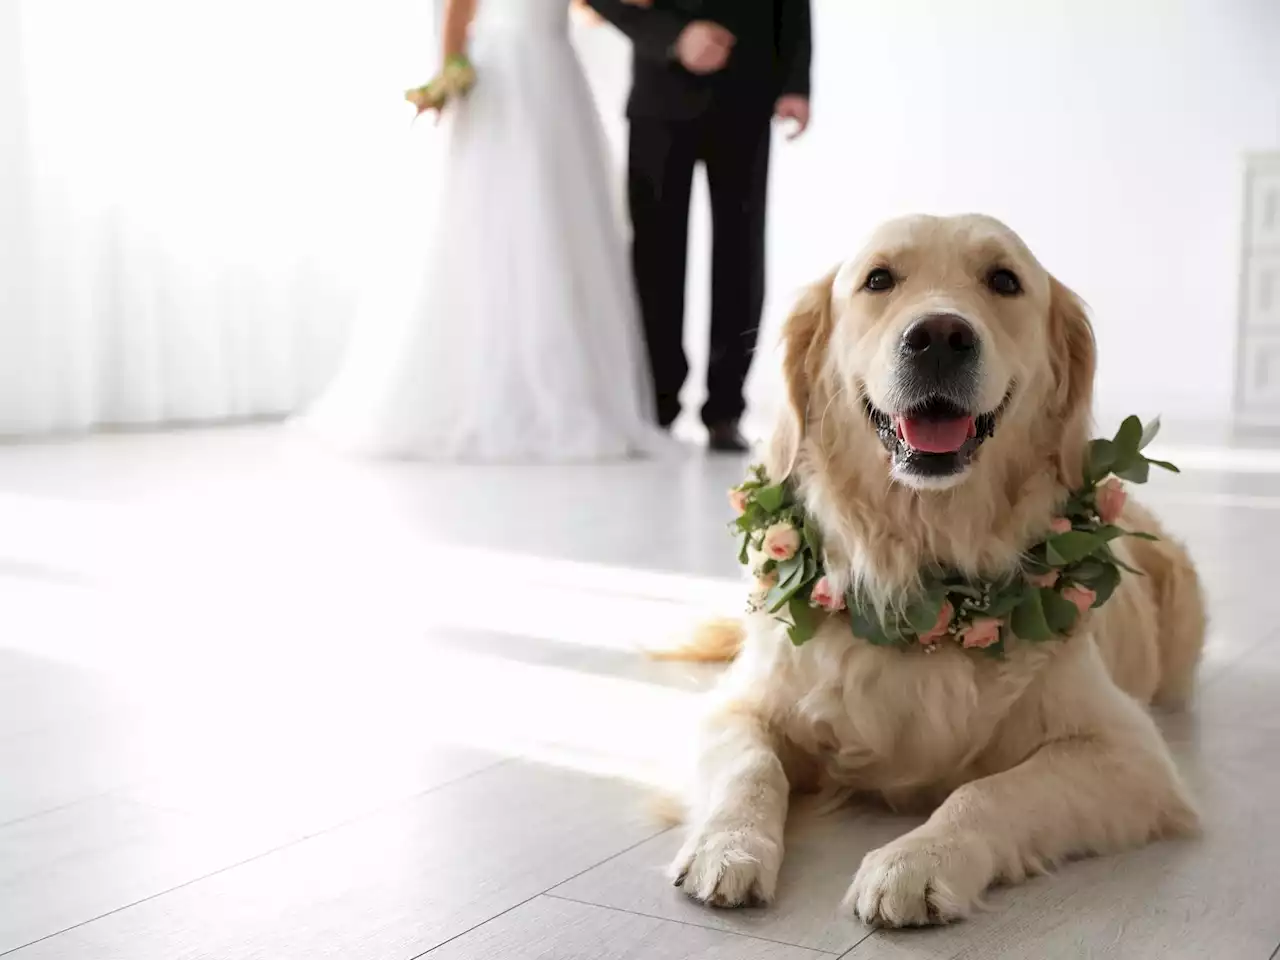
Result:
[[1136, 471], [779, 596], [1105, 584], [1108, 532], [1086, 571], [1065, 548], [1127, 438], [793, 567], [963, 590], [1003, 602], [1110, 555], [923, 614], [810, 566], [743, 557], [771, 499], [790, 579], [1102, 454], [1163, 465], [866, 625], [1060, 612], [1149, 433], [1028, 620], [804, 620], [813, 537]]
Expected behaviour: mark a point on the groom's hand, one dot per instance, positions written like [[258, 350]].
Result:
[[794, 108], [704, 47]]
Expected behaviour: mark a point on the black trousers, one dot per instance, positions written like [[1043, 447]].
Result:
[[734, 147]]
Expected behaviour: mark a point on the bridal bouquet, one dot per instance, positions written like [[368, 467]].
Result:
[[454, 80]]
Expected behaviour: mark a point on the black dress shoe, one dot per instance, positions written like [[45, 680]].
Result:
[[726, 438]]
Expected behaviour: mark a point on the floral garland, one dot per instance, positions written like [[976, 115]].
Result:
[[454, 80], [1063, 576]]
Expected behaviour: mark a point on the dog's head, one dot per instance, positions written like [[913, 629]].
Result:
[[943, 344]]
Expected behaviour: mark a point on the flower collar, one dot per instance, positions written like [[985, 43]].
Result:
[[1071, 571]]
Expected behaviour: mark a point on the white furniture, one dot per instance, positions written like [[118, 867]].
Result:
[[1258, 345]]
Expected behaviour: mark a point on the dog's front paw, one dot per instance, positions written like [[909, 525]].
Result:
[[728, 866], [920, 879]]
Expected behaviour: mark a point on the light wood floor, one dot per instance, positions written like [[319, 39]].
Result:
[[255, 703]]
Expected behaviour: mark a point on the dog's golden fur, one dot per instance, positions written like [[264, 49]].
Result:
[[1045, 754]]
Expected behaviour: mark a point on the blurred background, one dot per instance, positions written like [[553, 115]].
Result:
[[260, 701], [192, 194]]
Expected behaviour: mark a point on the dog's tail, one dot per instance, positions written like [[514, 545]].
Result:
[[715, 641]]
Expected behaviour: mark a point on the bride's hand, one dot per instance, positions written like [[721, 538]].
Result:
[[453, 81], [426, 98]]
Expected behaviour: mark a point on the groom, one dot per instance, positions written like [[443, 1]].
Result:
[[709, 75]]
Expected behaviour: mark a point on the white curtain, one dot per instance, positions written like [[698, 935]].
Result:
[[191, 195]]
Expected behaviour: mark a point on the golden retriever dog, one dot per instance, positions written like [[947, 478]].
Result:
[[1026, 759]]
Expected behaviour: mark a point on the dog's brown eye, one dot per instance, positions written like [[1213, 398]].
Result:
[[879, 280], [1004, 282]]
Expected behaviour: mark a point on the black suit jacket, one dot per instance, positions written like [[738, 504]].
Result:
[[771, 56]]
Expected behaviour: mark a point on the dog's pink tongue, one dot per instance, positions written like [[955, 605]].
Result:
[[936, 436]]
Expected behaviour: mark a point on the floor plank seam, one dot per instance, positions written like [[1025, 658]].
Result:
[[699, 926], [1275, 953], [848, 954], [247, 860], [542, 893], [57, 809]]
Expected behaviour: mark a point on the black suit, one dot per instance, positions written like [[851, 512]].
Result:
[[679, 119]]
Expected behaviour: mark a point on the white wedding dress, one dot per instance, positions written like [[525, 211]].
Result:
[[513, 336]]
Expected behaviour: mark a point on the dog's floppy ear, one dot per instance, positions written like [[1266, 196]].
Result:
[[1074, 360], [804, 339]]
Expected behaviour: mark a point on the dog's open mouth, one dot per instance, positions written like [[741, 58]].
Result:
[[934, 438]]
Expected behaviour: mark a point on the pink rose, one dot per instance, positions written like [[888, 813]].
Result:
[[1082, 597], [1060, 525], [1043, 579], [824, 596], [1111, 498], [981, 633], [781, 541], [939, 629], [738, 500]]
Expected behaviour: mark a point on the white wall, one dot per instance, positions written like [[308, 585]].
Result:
[[1109, 133]]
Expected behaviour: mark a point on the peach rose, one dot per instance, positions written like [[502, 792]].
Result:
[[939, 629], [981, 633], [1082, 597], [1060, 525], [781, 541], [1043, 579], [738, 500], [824, 596], [1111, 498]]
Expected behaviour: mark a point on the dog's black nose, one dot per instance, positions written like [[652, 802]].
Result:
[[941, 351], [940, 334]]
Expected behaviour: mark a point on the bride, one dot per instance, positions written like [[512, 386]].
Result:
[[519, 340]]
